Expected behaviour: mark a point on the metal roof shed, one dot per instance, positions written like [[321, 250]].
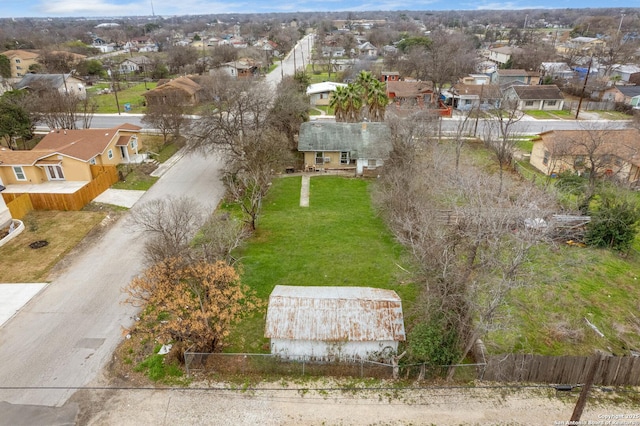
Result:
[[324, 323]]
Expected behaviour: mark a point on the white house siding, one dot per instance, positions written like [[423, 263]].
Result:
[[317, 350]]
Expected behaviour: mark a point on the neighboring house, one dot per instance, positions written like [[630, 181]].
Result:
[[368, 49], [505, 77], [545, 97], [584, 45], [469, 96], [555, 70], [625, 73], [342, 64], [63, 83], [240, 68], [67, 155], [614, 152], [635, 102], [389, 76], [476, 79], [179, 90], [332, 323], [358, 147], [502, 55], [20, 61], [137, 64], [411, 93], [622, 94], [320, 93]]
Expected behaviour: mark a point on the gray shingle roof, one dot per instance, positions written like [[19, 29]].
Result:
[[362, 140], [538, 92]]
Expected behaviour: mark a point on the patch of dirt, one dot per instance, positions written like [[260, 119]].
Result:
[[39, 244]]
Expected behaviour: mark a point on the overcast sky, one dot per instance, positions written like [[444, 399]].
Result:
[[93, 8]]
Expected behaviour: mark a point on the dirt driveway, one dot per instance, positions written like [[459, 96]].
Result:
[[292, 404]]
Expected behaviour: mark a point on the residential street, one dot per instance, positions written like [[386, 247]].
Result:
[[63, 338]]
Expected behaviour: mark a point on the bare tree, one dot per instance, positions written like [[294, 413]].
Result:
[[500, 135], [470, 239], [166, 115], [450, 56], [171, 222], [218, 237]]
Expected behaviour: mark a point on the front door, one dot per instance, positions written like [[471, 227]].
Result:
[[54, 172], [125, 153]]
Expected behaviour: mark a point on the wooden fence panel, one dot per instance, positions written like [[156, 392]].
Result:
[[19, 206], [76, 201], [618, 371]]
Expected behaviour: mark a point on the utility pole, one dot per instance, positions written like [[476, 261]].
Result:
[[584, 87], [620, 25]]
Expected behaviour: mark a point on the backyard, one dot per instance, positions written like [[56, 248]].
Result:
[[337, 241]]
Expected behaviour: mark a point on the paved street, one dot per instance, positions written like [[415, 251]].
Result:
[[65, 336]]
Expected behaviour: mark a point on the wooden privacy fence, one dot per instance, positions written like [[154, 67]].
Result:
[[104, 177], [20, 206], [613, 371], [589, 106]]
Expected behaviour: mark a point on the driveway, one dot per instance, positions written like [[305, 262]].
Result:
[[63, 338]]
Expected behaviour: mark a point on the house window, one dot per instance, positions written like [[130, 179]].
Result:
[[134, 142], [371, 163], [528, 103], [17, 170], [319, 157], [579, 161], [551, 103], [545, 160], [18, 67], [54, 172], [467, 102], [344, 158], [110, 154], [93, 161], [17, 61]]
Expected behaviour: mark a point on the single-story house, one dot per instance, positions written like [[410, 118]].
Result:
[[625, 73], [182, 89], [331, 323], [320, 93], [469, 96], [613, 152], [360, 147], [476, 79], [411, 93], [137, 64], [63, 83], [240, 68], [622, 94], [389, 76], [545, 97], [556, 70], [67, 155], [503, 77], [368, 49]]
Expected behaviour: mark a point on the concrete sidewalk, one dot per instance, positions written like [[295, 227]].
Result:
[[14, 296]]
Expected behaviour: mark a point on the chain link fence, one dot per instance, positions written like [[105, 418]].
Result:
[[299, 366]]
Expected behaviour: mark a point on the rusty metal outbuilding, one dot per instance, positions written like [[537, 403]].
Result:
[[328, 323]]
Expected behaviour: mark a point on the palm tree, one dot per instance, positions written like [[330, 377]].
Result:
[[353, 103], [377, 100], [365, 80], [337, 103]]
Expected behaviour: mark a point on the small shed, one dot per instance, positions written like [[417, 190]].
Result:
[[328, 323]]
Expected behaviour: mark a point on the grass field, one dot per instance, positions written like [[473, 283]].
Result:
[[337, 241], [131, 95], [62, 230]]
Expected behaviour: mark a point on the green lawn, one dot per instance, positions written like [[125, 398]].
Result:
[[569, 284], [337, 241], [131, 95], [549, 115]]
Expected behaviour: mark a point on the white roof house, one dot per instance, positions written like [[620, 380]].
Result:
[[325, 323], [320, 93]]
